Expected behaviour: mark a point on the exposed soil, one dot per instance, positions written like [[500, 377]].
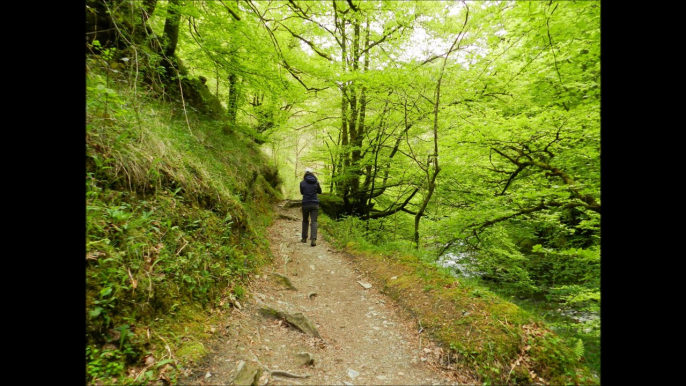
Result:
[[365, 338]]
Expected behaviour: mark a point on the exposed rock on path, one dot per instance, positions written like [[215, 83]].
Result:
[[360, 337]]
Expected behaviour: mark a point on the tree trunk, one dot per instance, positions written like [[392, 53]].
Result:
[[100, 25], [344, 160], [170, 39], [232, 105], [433, 159], [148, 9]]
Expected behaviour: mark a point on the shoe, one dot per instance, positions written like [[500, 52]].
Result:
[[314, 242], [303, 240]]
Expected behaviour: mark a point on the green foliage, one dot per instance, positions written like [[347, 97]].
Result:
[[369, 235], [107, 363], [173, 217], [577, 297], [239, 291], [579, 348], [176, 200]]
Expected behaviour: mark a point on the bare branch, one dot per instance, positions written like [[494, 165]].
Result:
[[391, 211], [354, 8], [512, 177], [382, 39], [309, 43], [231, 11]]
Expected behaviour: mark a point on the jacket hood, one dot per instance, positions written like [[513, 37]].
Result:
[[310, 178]]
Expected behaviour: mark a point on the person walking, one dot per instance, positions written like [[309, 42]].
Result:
[[309, 188]]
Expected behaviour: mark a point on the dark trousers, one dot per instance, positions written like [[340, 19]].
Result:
[[310, 210]]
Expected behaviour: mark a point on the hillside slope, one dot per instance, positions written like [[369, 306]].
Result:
[[176, 206]]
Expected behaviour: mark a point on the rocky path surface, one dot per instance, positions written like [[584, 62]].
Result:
[[349, 333]]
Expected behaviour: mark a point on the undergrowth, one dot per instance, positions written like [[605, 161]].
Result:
[[491, 337], [176, 210], [582, 337]]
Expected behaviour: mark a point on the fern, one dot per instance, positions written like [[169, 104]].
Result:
[[579, 349]]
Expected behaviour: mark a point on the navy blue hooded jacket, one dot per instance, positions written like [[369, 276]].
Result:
[[309, 187]]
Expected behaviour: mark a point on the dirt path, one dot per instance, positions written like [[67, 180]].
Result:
[[365, 338]]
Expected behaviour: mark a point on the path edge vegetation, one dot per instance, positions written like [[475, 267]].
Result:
[[482, 334], [177, 205]]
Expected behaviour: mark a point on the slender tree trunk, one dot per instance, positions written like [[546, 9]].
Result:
[[431, 176], [355, 138], [361, 197], [170, 39], [354, 200], [344, 160], [232, 105], [171, 28], [216, 76], [141, 30], [433, 159], [148, 9]]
